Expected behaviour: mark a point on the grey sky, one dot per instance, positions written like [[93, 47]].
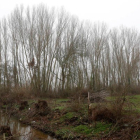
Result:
[[113, 12]]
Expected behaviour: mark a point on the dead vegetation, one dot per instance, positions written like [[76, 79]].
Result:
[[42, 108], [23, 105], [67, 59], [76, 111], [100, 113], [5, 131]]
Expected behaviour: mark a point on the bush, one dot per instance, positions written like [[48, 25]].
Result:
[[111, 111]]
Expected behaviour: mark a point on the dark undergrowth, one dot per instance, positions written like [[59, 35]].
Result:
[[73, 118]]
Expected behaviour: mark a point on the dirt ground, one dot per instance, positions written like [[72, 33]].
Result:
[[69, 119]]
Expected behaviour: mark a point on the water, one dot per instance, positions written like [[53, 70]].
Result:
[[21, 131]]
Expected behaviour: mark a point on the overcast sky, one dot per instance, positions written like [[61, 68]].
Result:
[[113, 12]]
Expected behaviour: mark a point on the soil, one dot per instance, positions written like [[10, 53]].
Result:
[[6, 130], [64, 119]]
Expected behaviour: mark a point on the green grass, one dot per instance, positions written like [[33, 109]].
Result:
[[87, 130], [83, 129], [135, 99], [59, 107], [16, 106], [65, 132], [137, 134], [4, 106], [31, 101], [78, 128], [61, 100], [67, 116], [132, 102], [102, 127], [59, 104]]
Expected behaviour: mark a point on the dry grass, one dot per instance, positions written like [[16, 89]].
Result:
[[16, 95], [78, 99], [76, 105], [112, 111], [22, 92], [100, 113]]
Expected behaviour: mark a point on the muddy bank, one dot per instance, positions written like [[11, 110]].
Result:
[[59, 118], [19, 130], [69, 119]]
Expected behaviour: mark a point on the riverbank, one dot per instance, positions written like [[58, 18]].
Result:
[[60, 122], [69, 119], [19, 131]]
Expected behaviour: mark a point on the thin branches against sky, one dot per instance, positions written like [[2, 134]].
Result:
[[114, 13]]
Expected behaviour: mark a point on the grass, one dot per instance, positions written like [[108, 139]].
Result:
[[92, 131], [67, 122], [67, 116], [102, 127], [59, 107], [133, 102], [58, 103], [83, 129], [135, 99], [16, 106], [4, 106], [65, 132], [61, 100], [31, 101], [69, 131]]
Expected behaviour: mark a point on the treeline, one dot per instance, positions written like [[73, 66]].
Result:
[[51, 50]]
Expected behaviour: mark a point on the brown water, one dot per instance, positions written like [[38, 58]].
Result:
[[21, 131]]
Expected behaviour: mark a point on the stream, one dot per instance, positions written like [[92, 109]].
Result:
[[21, 131]]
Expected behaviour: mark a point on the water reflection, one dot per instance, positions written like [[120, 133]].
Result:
[[21, 131]]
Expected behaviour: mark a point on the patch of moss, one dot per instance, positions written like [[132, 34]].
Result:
[[87, 130], [6, 134], [31, 101], [137, 134], [67, 116], [59, 107], [84, 110], [102, 127], [62, 100], [65, 133], [16, 106], [4, 106], [84, 129]]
